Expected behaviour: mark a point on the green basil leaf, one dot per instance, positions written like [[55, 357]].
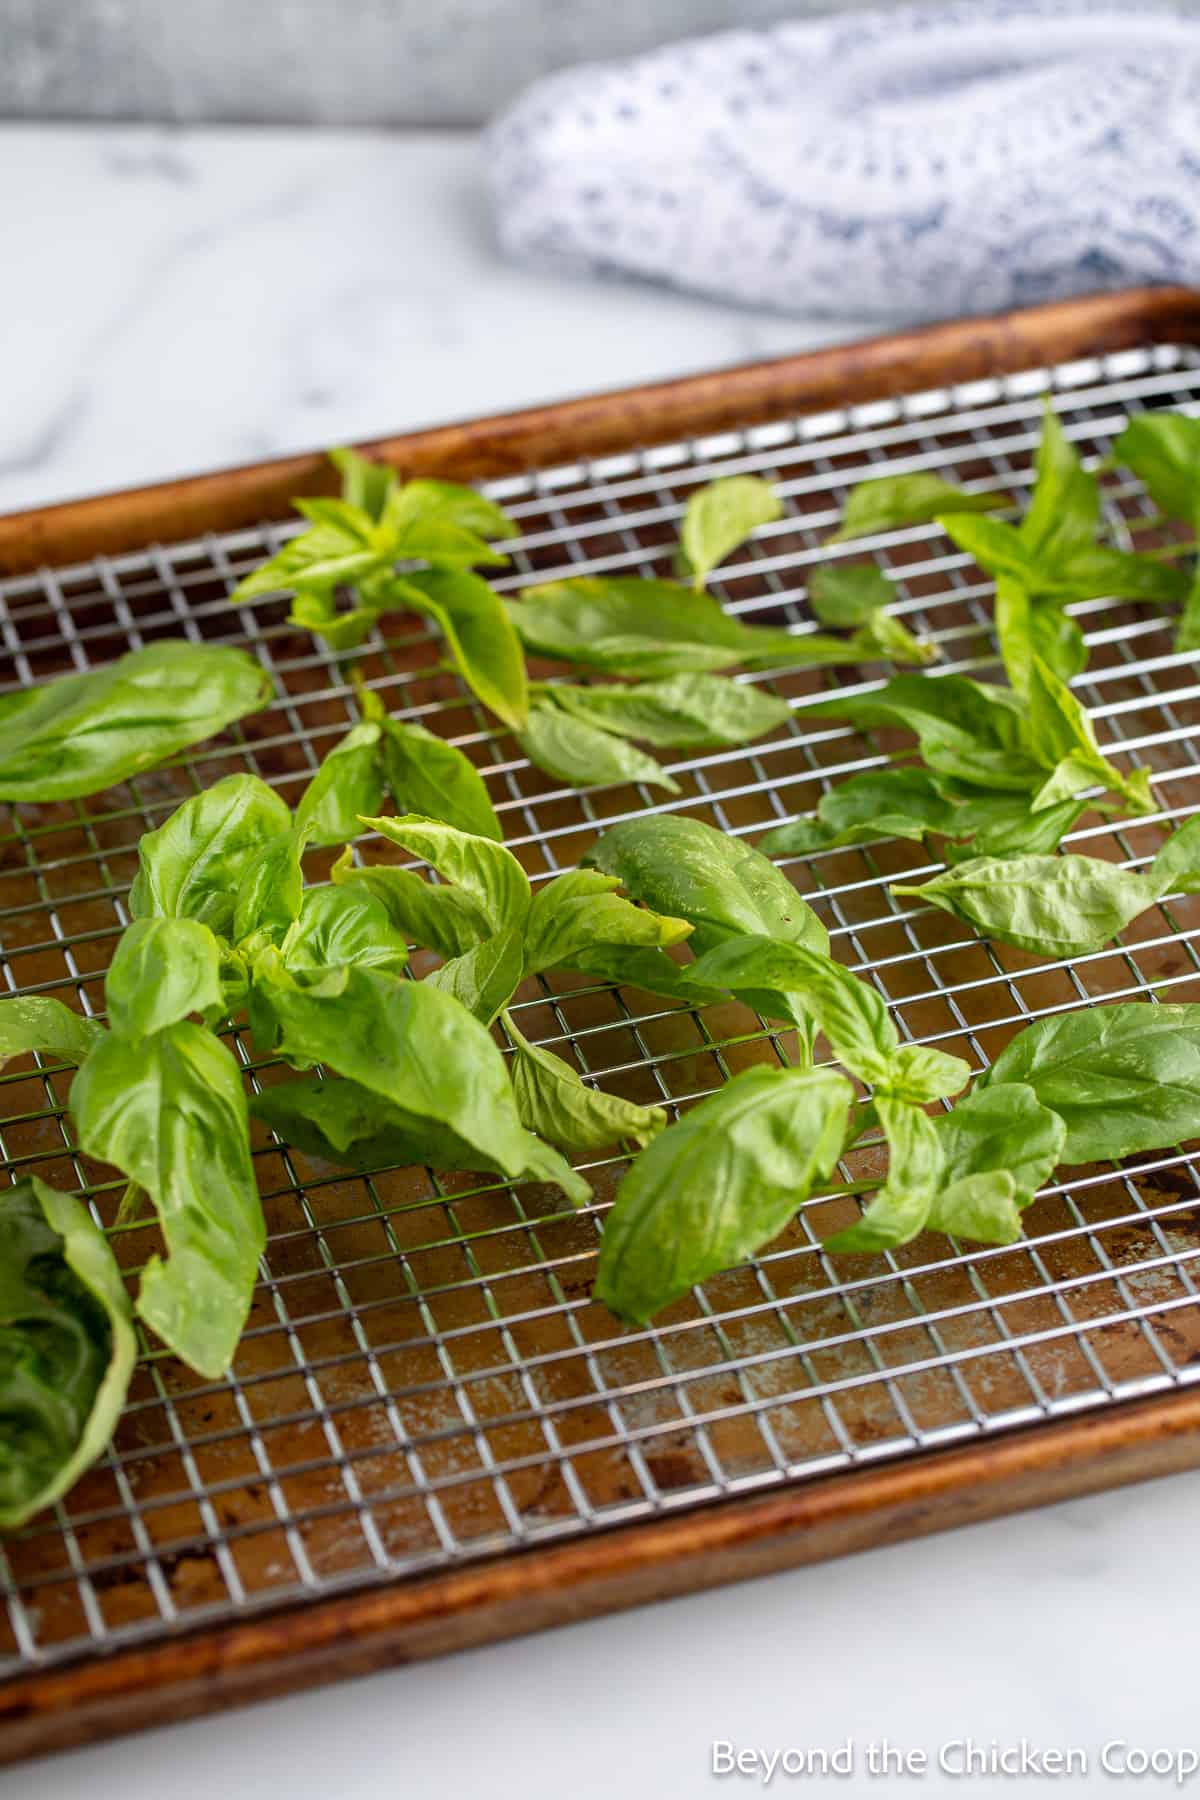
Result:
[[847, 594], [1004, 825], [891, 500], [920, 1072], [1088, 572], [194, 865], [905, 803], [426, 775], [367, 486], [852, 1014], [724, 1180], [578, 911], [343, 924], [886, 637], [480, 635], [485, 978], [341, 1122], [646, 629], [1176, 868], [349, 785], [555, 1103], [487, 873], [319, 610], [437, 916], [1123, 1078], [1188, 635], [332, 551], [585, 755], [651, 971], [1064, 512], [722, 515], [162, 970], [1163, 450], [71, 737], [67, 1346], [444, 523], [272, 889], [1051, 905], [984, 1207], [39, 1022], [901, 1208], [684, 712], [685, 869], [410, 1043], [976, 733], [997, 1128], [169, 1111], [1062, 733]]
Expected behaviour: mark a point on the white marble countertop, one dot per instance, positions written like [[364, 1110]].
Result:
[[178, 302]]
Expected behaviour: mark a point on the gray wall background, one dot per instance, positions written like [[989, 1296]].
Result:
[[326, 62]]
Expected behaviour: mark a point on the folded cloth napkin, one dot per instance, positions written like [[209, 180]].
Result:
[[920, 162]]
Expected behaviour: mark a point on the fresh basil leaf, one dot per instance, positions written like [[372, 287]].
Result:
[[1064, 738], [994, 1130], [920, 1072], [1064, 512], [1176, 868], [901, 1208], [428, 776], [480, 635], [891, 500], [410, 1043], [714, 1187], [646, 629], [162, 970], [722, 515], [1099, 573], [651, 971], [331, 552], [321, 611], [973, 732], [684, 712], [720, 884], [905, 803], [1163, 450], [169, 1111], [1004, 825], [269, 899], [1051, 905], [343, 924], [886, 637], [437, 916], [349, 785], [31, 1022], [341, 1122], [444, 523], [846, 594], [1187, 636], [366, 485], [555, 1103], [484, 979], [194, 865], [67, 1346], [585, 755], [68, 738], [580, 910], [486, 872], [1123, 1078], [983, 1207], [852, 1014], [1091, 572]]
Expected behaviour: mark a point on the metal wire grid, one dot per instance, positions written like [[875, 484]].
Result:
[[425, 1378]]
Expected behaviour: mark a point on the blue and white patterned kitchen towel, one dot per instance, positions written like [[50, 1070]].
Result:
[[922, 162]]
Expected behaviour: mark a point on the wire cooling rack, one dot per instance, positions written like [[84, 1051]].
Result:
[[425, 1379]]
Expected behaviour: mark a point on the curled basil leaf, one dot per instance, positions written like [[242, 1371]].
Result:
[[579, 911], [348, 786], [337, 925], [999, 1145], [553, 1101], [480, 634], [426, 775], [67, 1346], [193, 867], [902, 1207], [439, 917], [685, 712], [488, 874], [586, 755], [162, 970]]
